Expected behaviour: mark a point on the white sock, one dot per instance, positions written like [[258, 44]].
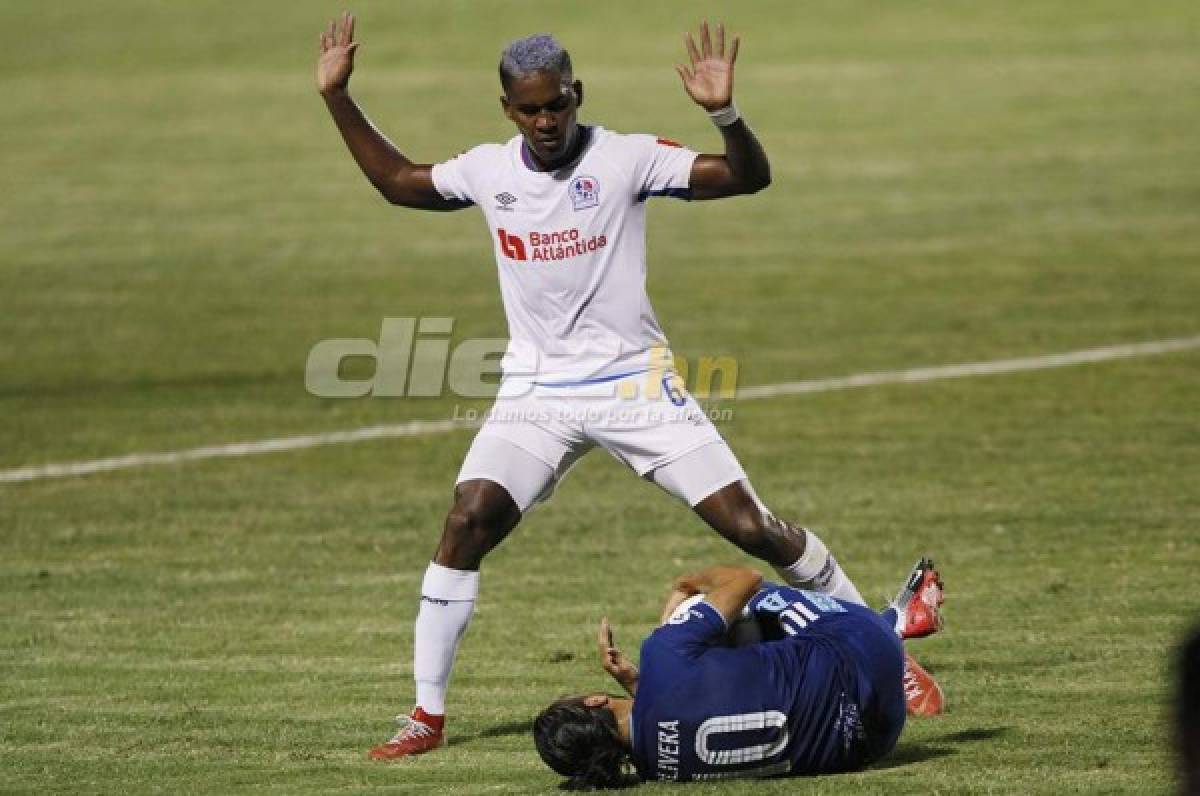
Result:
[[447, 602], [818, 570]]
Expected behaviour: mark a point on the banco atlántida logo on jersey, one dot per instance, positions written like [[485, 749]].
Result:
[[556, 245]]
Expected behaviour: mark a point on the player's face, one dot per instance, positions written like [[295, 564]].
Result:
[[542, 105]]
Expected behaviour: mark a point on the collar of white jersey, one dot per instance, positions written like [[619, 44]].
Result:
[[586, 134]]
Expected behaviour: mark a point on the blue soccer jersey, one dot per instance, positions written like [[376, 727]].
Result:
[[824, 694]]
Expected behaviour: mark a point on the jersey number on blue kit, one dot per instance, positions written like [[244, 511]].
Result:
[[797, 615], [744, 722], [793, 616]]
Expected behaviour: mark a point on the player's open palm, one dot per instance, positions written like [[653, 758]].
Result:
[[337, 55], [709, 81]]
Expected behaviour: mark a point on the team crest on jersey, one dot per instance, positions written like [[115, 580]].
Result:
[[585, 192]]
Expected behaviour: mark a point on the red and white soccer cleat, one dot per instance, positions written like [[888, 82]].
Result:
[[918, 604], [418, 733], [922, 695]]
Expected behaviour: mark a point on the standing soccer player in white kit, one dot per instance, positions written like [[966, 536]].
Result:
[[566, 208]]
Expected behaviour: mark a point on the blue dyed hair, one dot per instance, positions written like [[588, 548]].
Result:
[[540, 52]]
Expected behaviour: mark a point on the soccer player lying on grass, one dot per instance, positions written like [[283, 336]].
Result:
[[565, 206], [823, 691]]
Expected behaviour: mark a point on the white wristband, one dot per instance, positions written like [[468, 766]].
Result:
[[726, 116]]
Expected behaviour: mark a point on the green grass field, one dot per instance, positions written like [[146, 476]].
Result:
[[954, 182]]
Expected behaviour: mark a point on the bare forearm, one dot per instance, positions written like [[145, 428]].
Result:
[[727, 589], [379, 160], [747, 160], [395, 176], [743, 168], [708, 580]]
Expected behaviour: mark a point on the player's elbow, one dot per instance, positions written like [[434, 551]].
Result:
[[747, 184], [752, 578], [758, 182], [402, 198], [397, 201], [391, 192], [396, 186], [746, 578]]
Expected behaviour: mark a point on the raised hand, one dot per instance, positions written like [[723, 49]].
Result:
[[709, 81], [336, 61], [613, 660]]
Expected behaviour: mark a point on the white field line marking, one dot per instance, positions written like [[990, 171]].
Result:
[[420, 428], [916, 375], [415, 428]]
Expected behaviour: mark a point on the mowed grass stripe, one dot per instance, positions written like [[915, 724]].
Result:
[[427, 427]]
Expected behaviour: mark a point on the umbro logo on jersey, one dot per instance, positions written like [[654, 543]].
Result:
[[505, 198]]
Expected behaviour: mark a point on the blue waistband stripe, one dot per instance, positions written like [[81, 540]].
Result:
[[583, 382]]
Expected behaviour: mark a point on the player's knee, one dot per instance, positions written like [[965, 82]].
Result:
[[466, 538], [476, 523]]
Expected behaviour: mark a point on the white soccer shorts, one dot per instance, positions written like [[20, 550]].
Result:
[[535, 433]]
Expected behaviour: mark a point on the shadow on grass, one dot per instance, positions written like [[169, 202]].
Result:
[[507, 728], [907, 754], [904, 754], [975, 734]]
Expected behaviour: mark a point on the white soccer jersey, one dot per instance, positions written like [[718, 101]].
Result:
[[570, 247]]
